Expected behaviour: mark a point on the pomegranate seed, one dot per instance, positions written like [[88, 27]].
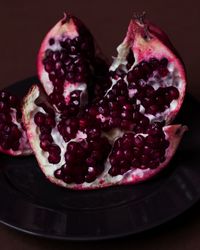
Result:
[[154, 63], [2, 117], [51, 41], [46, 137], [127, 154], [44, 144], [4, 96], [153, 164], [137, 71], [94, 132], [54, 159], [71, 159], [54, 150], [131, 77], [15, 132], [163, 71], [79, 179], [146, 70], [113, 171], [173, 93], [39, 119], [2, 107], [144, 159], [91, 161], [13, 101], [149, 91], [153, 109], [49, 121], [68, 179], [135, 163], [139, 141], [91, 176], [164, 62], [119, 155], [58, 174], [72, 147], [45, 130]]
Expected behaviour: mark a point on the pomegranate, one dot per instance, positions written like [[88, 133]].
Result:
[[68, 62], [92, 158], [121, 136], [13, 139]]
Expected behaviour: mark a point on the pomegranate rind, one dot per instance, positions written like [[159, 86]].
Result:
[[173, 134]]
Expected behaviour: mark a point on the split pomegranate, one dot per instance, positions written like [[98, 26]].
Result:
[[121, 136], [92, 158], [68, 62], [13, 139]]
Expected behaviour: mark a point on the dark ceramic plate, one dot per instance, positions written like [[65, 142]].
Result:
[[31, 204]]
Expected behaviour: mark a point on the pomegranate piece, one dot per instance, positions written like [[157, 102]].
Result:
[[77, 154], [68, 62], [148, 82], [153, 77], [13, 139], [121, 136], [69, 151]]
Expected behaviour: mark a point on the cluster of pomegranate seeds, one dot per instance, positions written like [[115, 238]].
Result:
[[120, 107], [69, 63], [68, 128], [74, 104], [144, 70], [64, 67], [46, 122], [89, 164], [113, 114], [142, 151], [142, 80], [10, 133]]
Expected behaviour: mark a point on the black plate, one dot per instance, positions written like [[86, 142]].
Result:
[[31, 204]]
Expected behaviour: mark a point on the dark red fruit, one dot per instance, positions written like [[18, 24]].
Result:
[[112, 127]]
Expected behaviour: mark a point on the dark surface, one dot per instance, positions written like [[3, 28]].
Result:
[[23, 25], [33, 205]]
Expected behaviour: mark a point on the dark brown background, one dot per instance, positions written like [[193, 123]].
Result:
[[23, 25]]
